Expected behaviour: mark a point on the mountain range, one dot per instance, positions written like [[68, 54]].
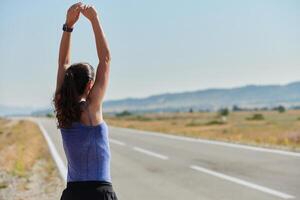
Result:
[[250, 96]]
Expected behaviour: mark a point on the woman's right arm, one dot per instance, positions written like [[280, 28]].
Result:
[[65, 44], [97, 92]]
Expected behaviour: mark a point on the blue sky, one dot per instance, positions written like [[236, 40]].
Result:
[[157, 46]]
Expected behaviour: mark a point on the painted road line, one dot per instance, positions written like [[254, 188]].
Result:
[[60, 164], [150, 153], [117, 142], [242, 182], [212, 142]]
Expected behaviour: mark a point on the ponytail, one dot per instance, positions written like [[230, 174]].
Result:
[[66, 100]]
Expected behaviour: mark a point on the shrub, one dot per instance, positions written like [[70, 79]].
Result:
[[280, 109], [215, 122], [199, 123], [223, 112], [236, 108], [49, 115], [256, 116], [123, 114]]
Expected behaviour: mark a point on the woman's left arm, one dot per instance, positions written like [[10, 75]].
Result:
[[65, 44]]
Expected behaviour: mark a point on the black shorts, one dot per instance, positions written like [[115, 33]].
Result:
[[91, 190]]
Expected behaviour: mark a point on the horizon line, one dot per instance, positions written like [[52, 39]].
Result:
[[205, 89], [176, 92]]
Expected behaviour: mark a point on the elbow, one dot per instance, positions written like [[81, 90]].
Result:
[[107, 56], [107, 59]]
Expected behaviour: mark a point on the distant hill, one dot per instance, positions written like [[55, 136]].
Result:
[[251, 96]]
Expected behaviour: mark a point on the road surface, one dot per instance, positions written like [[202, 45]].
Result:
[[147, 165]]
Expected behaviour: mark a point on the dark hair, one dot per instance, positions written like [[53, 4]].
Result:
[[66, 100]]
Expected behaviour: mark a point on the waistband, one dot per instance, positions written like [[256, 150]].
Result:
[[88, 184]]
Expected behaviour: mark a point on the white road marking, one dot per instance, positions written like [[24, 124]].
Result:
[[242, 182], [227, 144], [150, 153], [60, 164], [117, 142]]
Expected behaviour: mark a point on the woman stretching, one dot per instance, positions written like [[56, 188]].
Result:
[[78, 107]]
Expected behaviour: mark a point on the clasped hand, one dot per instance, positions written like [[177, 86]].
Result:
[[74, 11]]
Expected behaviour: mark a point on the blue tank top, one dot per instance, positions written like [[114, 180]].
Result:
[[87, 151]]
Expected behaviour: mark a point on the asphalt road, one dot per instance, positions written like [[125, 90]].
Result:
[[147, 165]]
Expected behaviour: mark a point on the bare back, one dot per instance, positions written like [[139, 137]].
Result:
[[90, 116]]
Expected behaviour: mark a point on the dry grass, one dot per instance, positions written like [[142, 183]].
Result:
[[26, 168], [274, 129], [21, 145]]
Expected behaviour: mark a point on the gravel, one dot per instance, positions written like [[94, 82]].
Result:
[[40, 183]]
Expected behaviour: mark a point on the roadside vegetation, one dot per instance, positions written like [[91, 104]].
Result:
[[270, 128], [26, 168]]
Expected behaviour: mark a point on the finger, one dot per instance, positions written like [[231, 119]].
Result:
[[81, 7], [77, 13], [77, 9], [77, 4], [74, 6]]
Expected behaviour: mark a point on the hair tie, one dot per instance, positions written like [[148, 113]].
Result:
[[69, 74]]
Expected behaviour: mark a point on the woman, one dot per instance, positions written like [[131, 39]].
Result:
[[78, 106]]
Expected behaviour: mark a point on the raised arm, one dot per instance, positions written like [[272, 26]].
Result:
[[65, 43], [97, 92]]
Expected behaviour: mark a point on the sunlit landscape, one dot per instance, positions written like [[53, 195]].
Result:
[[263, 128], [150, 100]]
